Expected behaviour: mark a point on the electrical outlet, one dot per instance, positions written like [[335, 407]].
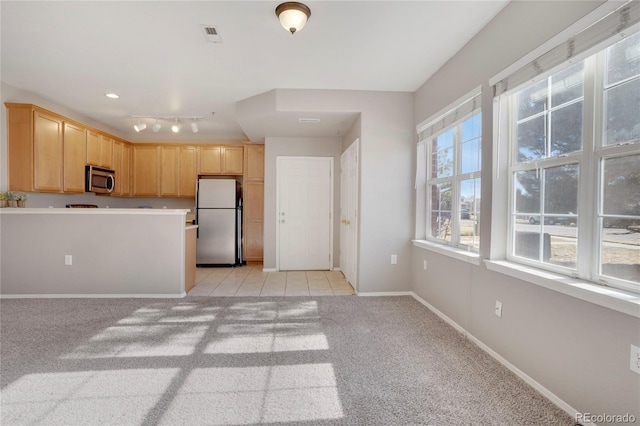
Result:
[[68, 259], [635, 359], [394, 259], [498, 310], [424, 264]]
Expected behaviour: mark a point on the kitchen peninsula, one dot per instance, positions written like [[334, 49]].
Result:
[[96, 252]]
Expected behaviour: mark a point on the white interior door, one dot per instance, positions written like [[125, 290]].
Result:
[[304, 213], [349, 213]]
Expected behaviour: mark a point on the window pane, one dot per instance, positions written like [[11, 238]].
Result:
[[620, 253], [563, 244], [566, 129], [532, 139], [441, 211], [532, 100], [526, 241], [527, 193], [471, 128], [442, 148], [622, 104], [470, 152], [561, 189], [567, 85], [469, 209], [621, 186], [623, 59]]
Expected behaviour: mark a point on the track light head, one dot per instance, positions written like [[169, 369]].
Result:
[[140, 126], [156, 127], [194, 126], [176, 127]]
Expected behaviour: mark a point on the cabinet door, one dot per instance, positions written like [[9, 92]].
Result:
[[125, 175], [253, 201], [188, 171], [117, 167], [47, 153], [232, 160], [106, 152], [253, 163], [170, 169], [93, 148], [146, 171], [210, 160], [74, 144]]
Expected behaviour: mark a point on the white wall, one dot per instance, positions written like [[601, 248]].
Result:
[[577, 350], [387, 143]]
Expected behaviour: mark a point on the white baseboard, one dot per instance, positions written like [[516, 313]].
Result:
[[92, 296], [529, 380], [385, 293], [269, 270], [337, 269]]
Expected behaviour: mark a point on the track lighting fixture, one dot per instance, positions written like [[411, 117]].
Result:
[[176, 126], [140, 126]]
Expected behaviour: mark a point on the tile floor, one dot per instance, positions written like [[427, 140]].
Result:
[[252, 281]]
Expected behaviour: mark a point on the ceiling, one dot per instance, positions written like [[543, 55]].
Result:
[[156, 57]]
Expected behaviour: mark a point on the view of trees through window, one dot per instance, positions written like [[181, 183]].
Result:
[[552, 161]]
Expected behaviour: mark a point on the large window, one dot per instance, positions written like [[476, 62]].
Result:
[[575, 168], [453, 183]]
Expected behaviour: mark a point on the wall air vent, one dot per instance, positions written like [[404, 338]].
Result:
[[309, 120], [211, 33]]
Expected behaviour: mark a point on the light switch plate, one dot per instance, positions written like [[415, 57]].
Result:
[[498, 308], [635, 359], [68, 259]]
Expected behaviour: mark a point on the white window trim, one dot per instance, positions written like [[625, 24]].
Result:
[[609, 297]]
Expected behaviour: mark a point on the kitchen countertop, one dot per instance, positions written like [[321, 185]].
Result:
[[94, 211]]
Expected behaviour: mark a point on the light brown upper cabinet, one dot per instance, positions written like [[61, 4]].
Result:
[[220, 160], [74, 148], [99, 149], [146, 170], [35, 149], [169, 171], [188, 171], [122, 166], [254, 163]]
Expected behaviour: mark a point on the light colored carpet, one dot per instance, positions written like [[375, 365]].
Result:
[[200, 360]]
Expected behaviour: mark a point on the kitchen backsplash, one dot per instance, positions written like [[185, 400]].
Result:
[[42, 200]]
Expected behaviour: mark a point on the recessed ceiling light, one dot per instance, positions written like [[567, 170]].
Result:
[[112, 96]]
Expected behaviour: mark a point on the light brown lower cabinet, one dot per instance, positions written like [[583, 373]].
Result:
[[253, 202]]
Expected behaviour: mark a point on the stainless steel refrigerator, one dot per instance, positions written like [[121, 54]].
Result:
[[219, 219]]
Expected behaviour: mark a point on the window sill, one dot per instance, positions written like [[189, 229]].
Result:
[[457, 253], [612, 298]]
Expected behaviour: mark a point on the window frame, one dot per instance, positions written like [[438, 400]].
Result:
[[590, 161], [455, 180]]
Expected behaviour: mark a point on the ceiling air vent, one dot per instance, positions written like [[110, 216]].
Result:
[[309, 120], [211, 33]]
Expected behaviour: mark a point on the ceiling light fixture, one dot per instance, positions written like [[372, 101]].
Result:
[[156, 127], [140, 126], [176, 127], [112, 95], [194, 126], [293, 15]]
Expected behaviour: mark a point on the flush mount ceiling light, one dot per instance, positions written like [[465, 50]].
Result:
[[293, 15], [112, 95], [140, 126]]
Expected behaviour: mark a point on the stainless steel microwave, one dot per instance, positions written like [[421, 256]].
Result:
[[100, 181]]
